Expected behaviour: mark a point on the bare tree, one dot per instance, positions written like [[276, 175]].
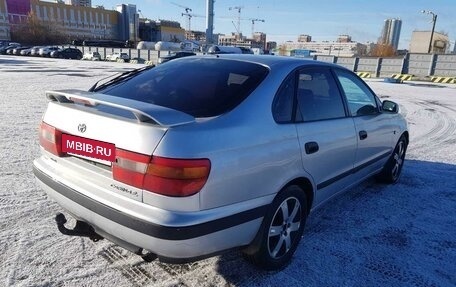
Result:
[[35, 32], [383, 50]]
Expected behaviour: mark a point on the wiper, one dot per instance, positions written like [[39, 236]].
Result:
[[123, 76]]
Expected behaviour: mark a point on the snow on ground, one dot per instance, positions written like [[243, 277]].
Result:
[[372, 235]]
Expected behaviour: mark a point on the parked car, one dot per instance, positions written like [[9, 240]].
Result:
[[9, 50], [92, 56], [17, 50], [35, 51], [46, 51], [235, 153], [28, 51], [67, 53], [117, 56], [7, 44], [174, 55]]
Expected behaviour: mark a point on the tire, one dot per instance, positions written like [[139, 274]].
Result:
[[393, 167], [280, 231]]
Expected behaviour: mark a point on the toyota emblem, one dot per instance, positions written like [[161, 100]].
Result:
[[82, 128]]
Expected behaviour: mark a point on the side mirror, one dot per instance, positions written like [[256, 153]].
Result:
[[389, 106]]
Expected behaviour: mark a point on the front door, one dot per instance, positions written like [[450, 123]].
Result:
[[326, 133], [374, 130]]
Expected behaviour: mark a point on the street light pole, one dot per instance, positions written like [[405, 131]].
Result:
[[434, 19]]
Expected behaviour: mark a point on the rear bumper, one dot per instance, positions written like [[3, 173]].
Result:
[[170, 242]]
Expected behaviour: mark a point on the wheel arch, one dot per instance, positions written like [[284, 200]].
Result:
[[406, 134], [306, 185]]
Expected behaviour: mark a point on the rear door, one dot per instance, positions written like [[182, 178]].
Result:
[[374, 131], [326, 135]]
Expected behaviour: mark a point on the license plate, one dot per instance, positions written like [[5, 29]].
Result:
[[88, 147]]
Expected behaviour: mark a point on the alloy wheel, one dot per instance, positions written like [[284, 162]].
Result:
[[398, 158], [284, 227]]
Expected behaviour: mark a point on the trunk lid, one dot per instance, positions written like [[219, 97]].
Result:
[[88, 121]]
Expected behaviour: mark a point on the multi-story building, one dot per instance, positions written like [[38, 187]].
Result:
[[77, 22], [234, 39], [4, 23], [304, 38], [391, 33], [73, 22], [160, 30], [129, 22], [420, 42], [344, 39], [17, 10], [195, 36], [171, 31], [238, 40], [338, 48], [85, 3], [271, 45], [259, 40]]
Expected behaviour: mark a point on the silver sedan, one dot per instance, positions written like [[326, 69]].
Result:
[[204, 154]]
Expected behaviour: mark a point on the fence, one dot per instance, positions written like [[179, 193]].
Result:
[[418, 65]]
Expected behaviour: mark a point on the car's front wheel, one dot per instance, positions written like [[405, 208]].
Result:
[[393, 167], [281, 230]]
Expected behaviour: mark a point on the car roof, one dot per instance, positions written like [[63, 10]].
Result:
[[273, 61]]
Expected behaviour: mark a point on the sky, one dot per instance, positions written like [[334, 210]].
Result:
[[324, 20]]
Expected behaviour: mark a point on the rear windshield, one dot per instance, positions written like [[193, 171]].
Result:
[[201, 87]]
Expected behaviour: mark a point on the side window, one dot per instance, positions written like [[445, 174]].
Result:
[[282, 106], [361, 101], [318, 96]]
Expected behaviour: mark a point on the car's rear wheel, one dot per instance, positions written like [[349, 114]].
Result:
[[393, 167], [281, 230]]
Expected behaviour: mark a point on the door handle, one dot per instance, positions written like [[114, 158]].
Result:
[[311, 147], [362, 135]]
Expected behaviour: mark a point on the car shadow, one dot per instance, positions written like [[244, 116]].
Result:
[[14, 61], [373, 234]]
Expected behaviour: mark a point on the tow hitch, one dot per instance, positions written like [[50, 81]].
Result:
[[80, 229], [86, 230]]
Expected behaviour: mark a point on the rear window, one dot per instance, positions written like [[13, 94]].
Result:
[[201, 87]]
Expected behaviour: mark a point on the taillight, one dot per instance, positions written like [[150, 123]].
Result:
[[51, 139], [176, 177], [166, 176], [130, 167]]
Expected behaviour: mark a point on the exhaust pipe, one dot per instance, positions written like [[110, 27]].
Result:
[[80, 229]]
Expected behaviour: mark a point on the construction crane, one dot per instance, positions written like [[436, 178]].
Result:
[[189, 17], [187, 10], [238, 8], [236, 28], [253, 24]]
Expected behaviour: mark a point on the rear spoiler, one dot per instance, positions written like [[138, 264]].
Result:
[[144, 112]]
